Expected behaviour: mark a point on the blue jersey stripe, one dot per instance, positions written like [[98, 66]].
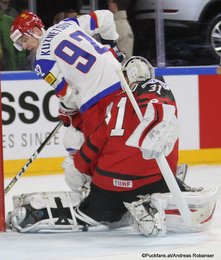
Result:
[[99, 96], [73, 19]]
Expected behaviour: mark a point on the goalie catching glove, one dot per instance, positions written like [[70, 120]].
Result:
[[157, 132]]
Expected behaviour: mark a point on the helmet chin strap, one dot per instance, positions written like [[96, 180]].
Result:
[[18, 47]]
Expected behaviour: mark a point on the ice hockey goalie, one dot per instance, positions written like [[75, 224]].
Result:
[[155, 215]]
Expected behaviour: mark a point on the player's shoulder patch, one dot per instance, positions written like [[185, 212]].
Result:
[[50, 78]]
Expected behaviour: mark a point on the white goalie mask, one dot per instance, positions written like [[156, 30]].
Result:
[[138, 68]]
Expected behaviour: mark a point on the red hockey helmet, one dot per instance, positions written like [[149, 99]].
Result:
[[24, 24]]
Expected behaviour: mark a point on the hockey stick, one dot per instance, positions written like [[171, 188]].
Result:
[[32, 158], [163, 164]]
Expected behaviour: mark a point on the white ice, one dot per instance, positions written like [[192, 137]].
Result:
[[109, 245]]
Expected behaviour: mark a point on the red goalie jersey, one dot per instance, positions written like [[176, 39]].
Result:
[[120, 167]]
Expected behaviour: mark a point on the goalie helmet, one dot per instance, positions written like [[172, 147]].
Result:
[[24, 24], [138, 68]]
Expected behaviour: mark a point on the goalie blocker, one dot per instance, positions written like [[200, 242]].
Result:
[[153, 215]]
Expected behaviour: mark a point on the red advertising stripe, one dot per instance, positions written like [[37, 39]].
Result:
[[210, 111]]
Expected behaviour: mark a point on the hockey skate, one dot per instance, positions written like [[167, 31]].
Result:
[[23, 217]]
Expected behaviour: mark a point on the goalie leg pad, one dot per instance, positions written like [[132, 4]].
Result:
[[201, 203], [48, 212], [47, 199], [145, 218]]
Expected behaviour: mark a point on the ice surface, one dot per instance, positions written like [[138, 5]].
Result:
[[109, 245]]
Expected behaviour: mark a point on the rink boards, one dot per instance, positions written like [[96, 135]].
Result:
[[30, 109]]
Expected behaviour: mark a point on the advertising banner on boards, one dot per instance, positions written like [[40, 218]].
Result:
[[29, 114]]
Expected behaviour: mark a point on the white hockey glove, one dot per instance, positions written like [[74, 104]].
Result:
[[66, 114], [73, 140], [157, 132], [145, 218], [76, 181]]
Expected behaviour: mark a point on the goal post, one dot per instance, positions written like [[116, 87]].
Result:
[[2, 196]]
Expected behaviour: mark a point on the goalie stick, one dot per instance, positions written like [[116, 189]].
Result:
[[32, 158], [182, 206]]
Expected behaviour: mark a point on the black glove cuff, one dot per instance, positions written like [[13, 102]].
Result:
[[108, 42]]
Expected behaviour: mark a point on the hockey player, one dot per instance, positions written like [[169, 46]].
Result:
[[122, 179], [75, 65], [82, 71]]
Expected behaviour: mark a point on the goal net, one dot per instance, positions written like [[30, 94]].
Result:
[[2, 197]]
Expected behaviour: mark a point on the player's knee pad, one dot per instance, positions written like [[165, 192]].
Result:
[[52, 211], [76, 181], [145, 218]]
